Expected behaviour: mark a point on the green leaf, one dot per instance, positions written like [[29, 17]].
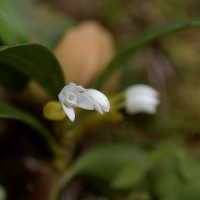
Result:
[[2, 193], [105, 162], [142, 41], [45, 23], [189, 191], [167, 184], [188, 167], [102, 163], [12, 30], [36, 62], [131, 175], [170, 186], [10, 112], [11, 78]]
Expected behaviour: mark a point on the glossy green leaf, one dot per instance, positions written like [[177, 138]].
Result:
[[12, 30], [36, 62], [131, 175], [11, 78], [10, 112], [142, 41]]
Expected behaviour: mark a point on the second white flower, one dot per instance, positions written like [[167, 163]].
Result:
[[141, 98]]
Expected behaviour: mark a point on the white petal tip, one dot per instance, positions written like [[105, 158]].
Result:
[[69, 112]]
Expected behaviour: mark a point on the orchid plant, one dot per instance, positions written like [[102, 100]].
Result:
[[118, 166]]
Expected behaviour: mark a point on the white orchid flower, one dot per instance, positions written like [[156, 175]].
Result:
[[141, 98], [74, 95]]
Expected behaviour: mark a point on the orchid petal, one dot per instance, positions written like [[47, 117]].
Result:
[[72, 87], [99, 98], [75, 88], [60, 97], [83, 101], [141, 89], [97, 107], [69, 112]]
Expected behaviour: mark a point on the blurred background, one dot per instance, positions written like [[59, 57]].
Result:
[[84, 35]]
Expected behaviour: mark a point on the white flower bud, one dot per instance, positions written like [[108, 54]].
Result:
[[74, 95], [141, 98]]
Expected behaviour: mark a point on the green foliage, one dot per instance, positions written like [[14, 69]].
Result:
[[142, 41], [10, 112], [36, 62], [106, 161], [171, 185], [11, 78], [124, 167], [103, 163], [12, 30], [167, 184], [2, 193], [45, 23], [189, 191], [188, 166], [131, 175], [177, 177]]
